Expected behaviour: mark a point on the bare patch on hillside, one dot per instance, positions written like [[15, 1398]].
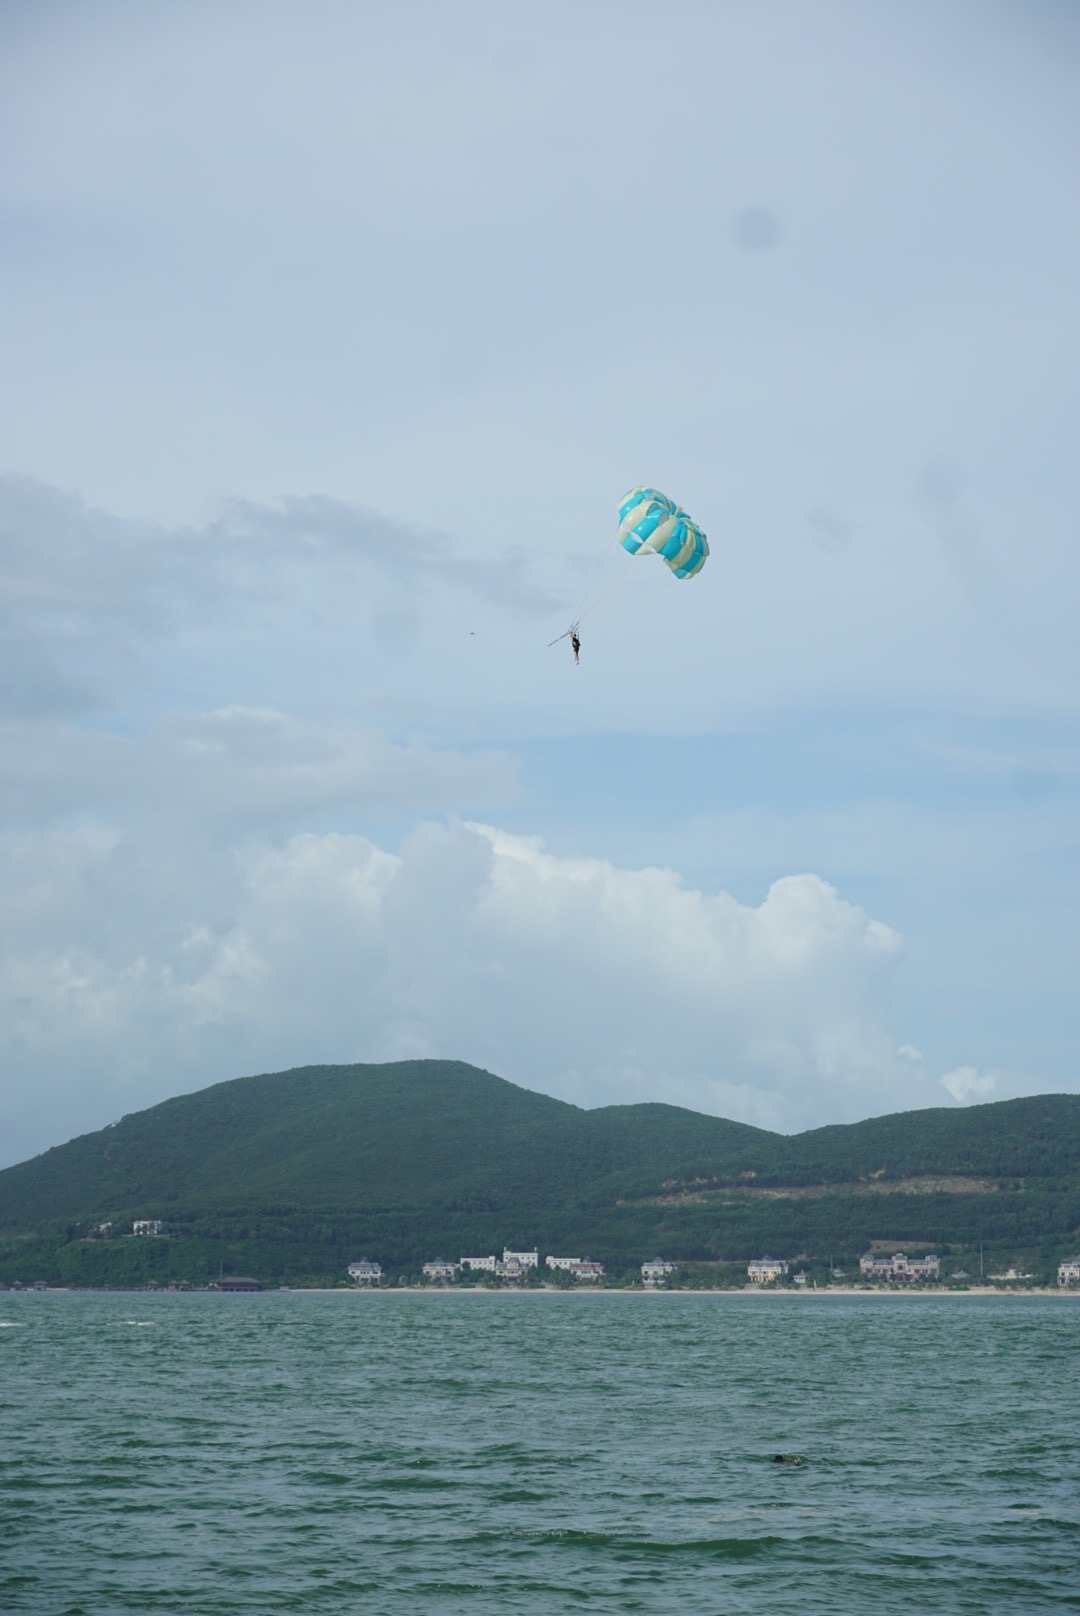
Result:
[[921, 1184]]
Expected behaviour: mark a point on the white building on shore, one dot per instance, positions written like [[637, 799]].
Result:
[[151, 1226], [765, 1270], [365, 1273], [440, 1271], [512, 1265], [656, 1271], [580, 1268], [587, 1270], [899, 1269], [1069, 1271]]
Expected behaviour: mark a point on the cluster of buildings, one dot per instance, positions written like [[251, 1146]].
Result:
[[512, 1266], [899, 1269]]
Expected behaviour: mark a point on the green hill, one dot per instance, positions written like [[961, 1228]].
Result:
[[292, 1174], [415, 1133], [1037, 1137]]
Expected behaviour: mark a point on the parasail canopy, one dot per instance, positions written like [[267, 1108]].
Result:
[[650, 522]]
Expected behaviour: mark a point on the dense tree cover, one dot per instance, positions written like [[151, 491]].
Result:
[[293, 1175], [1038, 1136], [409, 1133]]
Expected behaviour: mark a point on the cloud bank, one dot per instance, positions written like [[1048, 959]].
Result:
[[570, 975]]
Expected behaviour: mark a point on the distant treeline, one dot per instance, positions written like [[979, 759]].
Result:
[[286, 1245]]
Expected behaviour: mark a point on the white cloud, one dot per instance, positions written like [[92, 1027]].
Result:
[[87, 598], [569, 975], [970, 1085], [967, 1083], [222, 772]]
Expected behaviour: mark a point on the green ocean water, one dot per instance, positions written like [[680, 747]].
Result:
[[482, 1453]]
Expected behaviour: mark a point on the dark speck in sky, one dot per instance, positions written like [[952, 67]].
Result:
[[758, 230]]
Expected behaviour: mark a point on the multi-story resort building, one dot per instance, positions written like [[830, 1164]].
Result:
[[512, 1264], [151, 1226], [899, 1269], [516, 1264], [365, 1273], [587, 1270], [1069, 1271], [441, 1271], [656, 1271], [577, 1267], [765, 1270]]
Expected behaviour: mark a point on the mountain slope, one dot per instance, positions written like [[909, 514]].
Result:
[[1037, 1136], [294, 1173], [409, 1133]]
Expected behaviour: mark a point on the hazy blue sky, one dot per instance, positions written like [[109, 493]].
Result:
[[331, 336]]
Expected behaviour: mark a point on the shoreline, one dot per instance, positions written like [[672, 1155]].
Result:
[[674, 1290], [553, 1290]]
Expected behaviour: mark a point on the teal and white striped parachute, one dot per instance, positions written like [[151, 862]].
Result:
[[649, 521]]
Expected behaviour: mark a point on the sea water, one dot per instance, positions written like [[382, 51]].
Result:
[[393, 1453]]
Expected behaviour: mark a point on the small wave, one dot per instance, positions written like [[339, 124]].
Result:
[[414, 1483], [12, 1324], [626, 1546]]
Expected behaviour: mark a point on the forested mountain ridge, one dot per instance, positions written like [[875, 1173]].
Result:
[[1038, 1136], [305, 1165], [407, 1133]]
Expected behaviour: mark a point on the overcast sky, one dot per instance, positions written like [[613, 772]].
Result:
[[331, 336]]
